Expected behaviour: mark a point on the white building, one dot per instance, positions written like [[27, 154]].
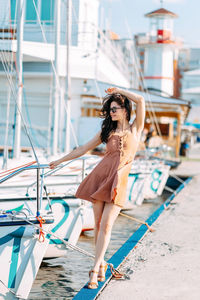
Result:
[[92, 56], [190, 89], [189, 59], [158, 51]]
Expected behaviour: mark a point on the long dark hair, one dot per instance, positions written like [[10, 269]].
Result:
[[108, 125]]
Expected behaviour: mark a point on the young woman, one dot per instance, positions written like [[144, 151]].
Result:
[[106, 185]]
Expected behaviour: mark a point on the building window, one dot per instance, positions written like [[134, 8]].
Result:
[[31, 15], [47, 11], [13, 10], [75, 16]]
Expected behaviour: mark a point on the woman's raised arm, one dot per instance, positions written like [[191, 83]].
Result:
[[138, 100], [78, 151]]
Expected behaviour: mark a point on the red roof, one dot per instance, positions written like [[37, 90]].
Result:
[[161, 12]]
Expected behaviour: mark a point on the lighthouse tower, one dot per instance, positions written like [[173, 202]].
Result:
[[160, 51]]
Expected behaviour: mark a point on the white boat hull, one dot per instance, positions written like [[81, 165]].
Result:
[[68, 220], [155, 183], [21, 254], [68, 214]]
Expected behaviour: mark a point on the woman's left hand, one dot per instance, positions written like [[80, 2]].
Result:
[[112, 90], [54, 164]]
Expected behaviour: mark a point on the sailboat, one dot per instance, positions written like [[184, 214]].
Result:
[[22, 242], [28, 223]]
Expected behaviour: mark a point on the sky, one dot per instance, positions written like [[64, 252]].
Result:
[[186, 26]]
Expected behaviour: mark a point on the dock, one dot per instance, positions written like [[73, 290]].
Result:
[[164, 264]]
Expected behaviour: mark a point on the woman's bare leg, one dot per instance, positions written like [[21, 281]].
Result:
[[98, 210], [110, 213]]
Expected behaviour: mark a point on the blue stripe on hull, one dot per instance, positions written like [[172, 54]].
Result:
[[65, 216], [16, 237]]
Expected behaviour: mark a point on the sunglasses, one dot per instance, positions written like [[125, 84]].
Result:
[[114, 109]]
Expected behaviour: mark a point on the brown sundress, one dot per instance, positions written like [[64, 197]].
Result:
[[108, 180]]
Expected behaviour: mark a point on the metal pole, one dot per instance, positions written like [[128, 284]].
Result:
[[38, 192], [56, 93], [68, 79], [5, 152], [19, 58]]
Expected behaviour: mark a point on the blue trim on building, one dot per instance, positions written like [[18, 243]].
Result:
[[124, 250]]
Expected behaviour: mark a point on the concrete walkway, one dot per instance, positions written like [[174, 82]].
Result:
[[166, 263]]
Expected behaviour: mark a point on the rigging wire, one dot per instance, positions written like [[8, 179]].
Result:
[[29, 119], [17, 106], [44, 38], [5, 156], [151, 112], [96, 52], [9, 73], [25, 98], [141, 77], [68, 245], [54, 70]]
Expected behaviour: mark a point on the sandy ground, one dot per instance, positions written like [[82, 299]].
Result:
[[166, 263]]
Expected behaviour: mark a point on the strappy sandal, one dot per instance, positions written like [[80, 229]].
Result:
[[100, 277], [91, 284]]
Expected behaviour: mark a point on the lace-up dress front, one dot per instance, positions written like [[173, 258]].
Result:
[[108, 180]]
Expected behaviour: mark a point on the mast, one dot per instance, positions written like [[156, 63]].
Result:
[[56, 92], [68, 78], [19, 58], [5, 152]]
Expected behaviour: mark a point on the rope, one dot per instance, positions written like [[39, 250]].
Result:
[[177, 178], [167, 188], [41, 232], [114, 271], [9, 171], [137, 220]]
